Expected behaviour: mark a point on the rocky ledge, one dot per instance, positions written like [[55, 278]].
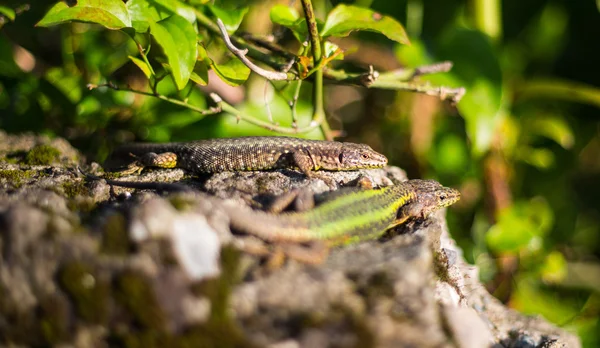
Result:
[[85, 265]]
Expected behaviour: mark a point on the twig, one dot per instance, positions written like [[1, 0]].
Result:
[[294, 104], [444, 93], [432, 68], [241, 54], [210, 111], [318, 96], [269, 126]]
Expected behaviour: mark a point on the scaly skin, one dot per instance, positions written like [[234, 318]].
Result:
[[252, 153], [349, 217]]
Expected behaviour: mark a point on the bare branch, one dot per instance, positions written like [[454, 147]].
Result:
[[241, 54], [433, 68]]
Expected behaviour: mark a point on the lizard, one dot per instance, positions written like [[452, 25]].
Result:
[[349, 216], [249, 154]]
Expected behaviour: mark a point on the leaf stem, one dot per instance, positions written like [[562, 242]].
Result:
[[315, 41]]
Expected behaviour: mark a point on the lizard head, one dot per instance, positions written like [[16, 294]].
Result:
[[351, 156], [431, 196]]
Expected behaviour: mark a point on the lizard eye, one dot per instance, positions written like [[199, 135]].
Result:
[[364, 156], [443, 197]]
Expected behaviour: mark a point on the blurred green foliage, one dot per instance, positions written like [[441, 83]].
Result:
[[523, 145]]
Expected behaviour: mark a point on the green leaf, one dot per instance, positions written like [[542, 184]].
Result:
[[288, 17], [111, 14], [8, 12], [200, 73], [521, 227], [344, 19], [553, 127], [331, 49], [477, 68], [145, 12], [142, 65], [234, 72], [177, 38], [8, 66], [231, 18]]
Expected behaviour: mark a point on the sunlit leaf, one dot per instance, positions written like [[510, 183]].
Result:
[[521, 226], [142, 65], [111, 14], [333, 51], [344, 19], [231, 18], [234, 72], [553, 127], [177, 38], [144, 12], [288, 17], [8, 12], [554, 268], [540, 158]]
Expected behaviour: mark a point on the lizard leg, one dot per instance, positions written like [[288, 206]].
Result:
[[398, 221], [307, 165], [302, 199]]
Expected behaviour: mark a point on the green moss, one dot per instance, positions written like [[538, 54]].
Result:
[[73, 189], [82, 204], [42, 155], [180, 202], [88, 292], [115, 240], [137, 297], [16, 177]]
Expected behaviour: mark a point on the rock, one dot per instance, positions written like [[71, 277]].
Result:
[[79, 268]]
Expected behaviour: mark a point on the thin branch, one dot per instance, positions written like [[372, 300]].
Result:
[[454, 95], [432, 68], [272, 127], [210, 111], [318, 96], [241, 54], [294, 104], [313, 31]]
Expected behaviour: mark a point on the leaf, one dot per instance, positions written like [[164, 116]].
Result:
[[521, 226], [553, 127], [333, 51], [145, 12], [477, 68], [8, 66], [8, 12], [288, 17], [111, 14], [234, 72], [344, 19], [142, 65], [177, 38], [200, 73], [231, 18]]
